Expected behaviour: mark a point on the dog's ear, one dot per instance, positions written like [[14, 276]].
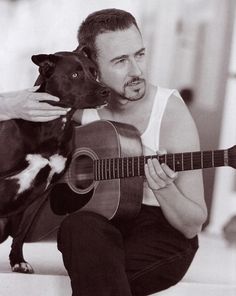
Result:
[[46, 63], [85, 51]]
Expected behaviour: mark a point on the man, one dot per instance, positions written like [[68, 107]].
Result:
[[153, 251]]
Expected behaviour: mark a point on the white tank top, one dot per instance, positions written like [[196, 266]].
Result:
[[150, 137]]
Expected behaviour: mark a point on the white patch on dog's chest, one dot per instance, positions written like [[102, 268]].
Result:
[[36, 162], [26, 177]]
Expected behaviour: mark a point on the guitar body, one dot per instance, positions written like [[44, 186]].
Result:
[[78, 190]]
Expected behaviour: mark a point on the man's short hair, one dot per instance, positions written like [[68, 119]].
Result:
[[100, 22]]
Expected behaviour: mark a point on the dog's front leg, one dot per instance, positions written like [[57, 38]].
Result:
[[17, 261]]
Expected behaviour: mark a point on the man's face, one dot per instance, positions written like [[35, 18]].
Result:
[[121, 61]]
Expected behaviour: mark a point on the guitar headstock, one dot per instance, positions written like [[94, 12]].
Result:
[[232, 156]]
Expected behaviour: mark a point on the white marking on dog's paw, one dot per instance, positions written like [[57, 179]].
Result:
[[27, 176], [22, 267]]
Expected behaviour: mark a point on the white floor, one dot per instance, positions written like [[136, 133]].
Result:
[[213, 272]]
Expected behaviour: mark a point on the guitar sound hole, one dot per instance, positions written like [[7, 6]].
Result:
[[82, 172]]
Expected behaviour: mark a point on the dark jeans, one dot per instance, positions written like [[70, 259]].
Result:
[[139, 257]]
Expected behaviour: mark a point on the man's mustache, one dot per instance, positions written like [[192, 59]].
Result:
[[133, 80]]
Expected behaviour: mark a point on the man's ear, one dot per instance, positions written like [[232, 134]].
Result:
[[46, 63]]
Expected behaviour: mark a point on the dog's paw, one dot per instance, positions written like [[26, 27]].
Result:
[[22, 267]]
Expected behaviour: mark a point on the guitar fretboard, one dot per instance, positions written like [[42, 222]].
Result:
[[116, 168]]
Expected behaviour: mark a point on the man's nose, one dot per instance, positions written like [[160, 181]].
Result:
[[134, 68]]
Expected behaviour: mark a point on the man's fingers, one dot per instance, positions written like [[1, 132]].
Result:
[[158, 176], [41, 96], [47, 113], [48, 107], [169, 172], [153, 182], [47, 97], [44, 119], [156, 169]]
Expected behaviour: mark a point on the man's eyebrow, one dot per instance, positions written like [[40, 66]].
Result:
[[139, 51], [124, 56]]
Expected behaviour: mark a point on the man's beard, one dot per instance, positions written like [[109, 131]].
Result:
[[136, 85]]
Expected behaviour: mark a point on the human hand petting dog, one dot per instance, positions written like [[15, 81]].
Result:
[[158, 175], [27, 104]]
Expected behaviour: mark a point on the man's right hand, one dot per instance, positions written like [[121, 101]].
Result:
[[27, 104]]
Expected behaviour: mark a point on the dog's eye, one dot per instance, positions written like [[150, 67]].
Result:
[[75, 75], [93, 71]]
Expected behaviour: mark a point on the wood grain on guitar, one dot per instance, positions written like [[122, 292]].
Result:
[[107, 169]]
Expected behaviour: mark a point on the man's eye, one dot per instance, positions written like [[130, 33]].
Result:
[[121, 61], [141, 54]]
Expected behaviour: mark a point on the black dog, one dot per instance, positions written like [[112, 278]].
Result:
[[40, 152]]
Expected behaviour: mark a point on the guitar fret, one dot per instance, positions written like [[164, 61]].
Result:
[[208, 159], [102, 169], [109, 170], [178, 162], [99, 169], [105, 169], [106, 166], [212, 158], [226, 157], [169, 161], [113, 168], [173, 162], [138, 166], [95, 169], [201, 160], [129, 167], [110, 173], [122, 168], [133, 166], [182, 160], [143, 161], [191, 154], [118, 168], [98, 175]]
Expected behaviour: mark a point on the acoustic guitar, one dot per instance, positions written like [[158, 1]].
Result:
[[104, 177]]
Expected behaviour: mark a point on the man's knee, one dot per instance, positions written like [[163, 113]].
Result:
[[82, 220], [80, 226]]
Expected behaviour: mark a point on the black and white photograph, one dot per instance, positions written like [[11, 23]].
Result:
[[118, 147]]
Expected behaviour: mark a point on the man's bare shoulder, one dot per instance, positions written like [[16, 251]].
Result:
[[178, 129]]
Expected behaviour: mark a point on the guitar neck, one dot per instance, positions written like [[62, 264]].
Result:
[[116, 168]]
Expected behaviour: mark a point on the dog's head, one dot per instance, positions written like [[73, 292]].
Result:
[[73, 78]]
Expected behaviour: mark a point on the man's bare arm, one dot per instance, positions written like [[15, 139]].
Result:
[[27, 104]]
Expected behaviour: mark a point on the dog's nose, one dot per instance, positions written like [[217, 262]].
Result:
[[105, 92]]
